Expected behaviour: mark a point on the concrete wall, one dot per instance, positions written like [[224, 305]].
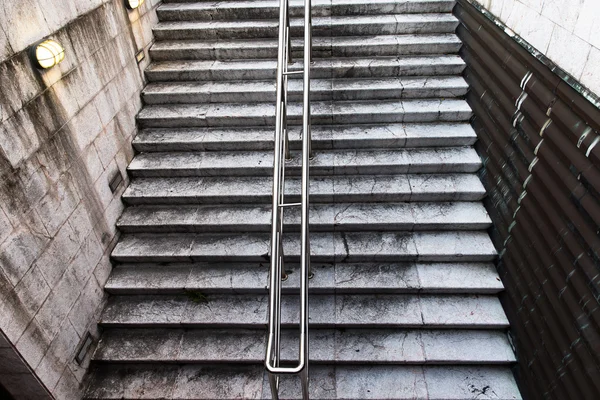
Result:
[[566, 31], [65, 133]]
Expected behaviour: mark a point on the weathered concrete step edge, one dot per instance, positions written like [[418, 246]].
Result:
[[328, 346], [235, 190], [255, 91], [391, 136], [395, 66], [337, 162], [223, 10], [323, 217], [391, 24], [436, 311], [340, 46], [323, 113], [443, 246], [348, 278], [347, 382]]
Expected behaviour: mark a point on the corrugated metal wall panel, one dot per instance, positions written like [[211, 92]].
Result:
[[539, 141]]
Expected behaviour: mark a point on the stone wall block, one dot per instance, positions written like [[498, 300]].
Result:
[[20, 16], [18, 253], [64, 133], [33, 344], [58, 304], [60, 352], [32, 290]]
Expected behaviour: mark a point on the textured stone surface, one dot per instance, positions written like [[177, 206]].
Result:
[[427, 187], [403, 281], [188, 10], [337, 112], [324, 137], [321, 90], [383, 45], [563, 30], [329, 346], [65, 132], [322, 26], [324, 217], [339, 162], [325, 247], [218, 70], [360, 311], [337, 278]]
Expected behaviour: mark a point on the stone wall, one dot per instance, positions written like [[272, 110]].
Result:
[[566, 31], [65, 136]]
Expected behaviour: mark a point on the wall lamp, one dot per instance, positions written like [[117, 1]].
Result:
[[47, 53], [133, 4]]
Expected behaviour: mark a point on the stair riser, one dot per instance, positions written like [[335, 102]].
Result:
[[203, 121], [319, 30], [319, 51], [296, 95], [318, 71], [318, 10]]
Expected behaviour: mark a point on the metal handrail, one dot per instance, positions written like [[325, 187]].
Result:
[[277, 274]]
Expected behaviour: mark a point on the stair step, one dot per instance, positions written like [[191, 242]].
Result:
[[328, 346], [338, 162], [325, 113], [323, 217], [228, 190], [389, 136], [321, 26], [326, 311], [215, 70], [216, 382], [254, 91], [343, 46], [251, 9], [348, 278], [442, 246]]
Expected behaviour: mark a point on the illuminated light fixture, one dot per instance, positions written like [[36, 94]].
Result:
[[47, 53], [133, 4]]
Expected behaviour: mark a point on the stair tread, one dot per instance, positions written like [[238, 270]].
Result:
[[324, 137], [321, 26], [334, 20], [448, 311], [339, 216], [321, 89], [318, 42], [394, 382], [296, 84], [322, 68], [323, 47], [322, 112], [330, 346], [267, 9], [445, 246], [479, 278], [325, 162], [420, 187]]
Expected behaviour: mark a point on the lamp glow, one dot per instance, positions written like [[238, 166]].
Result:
[[47, 53], [132, 4]]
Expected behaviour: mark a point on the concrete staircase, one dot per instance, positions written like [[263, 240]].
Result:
[[404, 300]]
